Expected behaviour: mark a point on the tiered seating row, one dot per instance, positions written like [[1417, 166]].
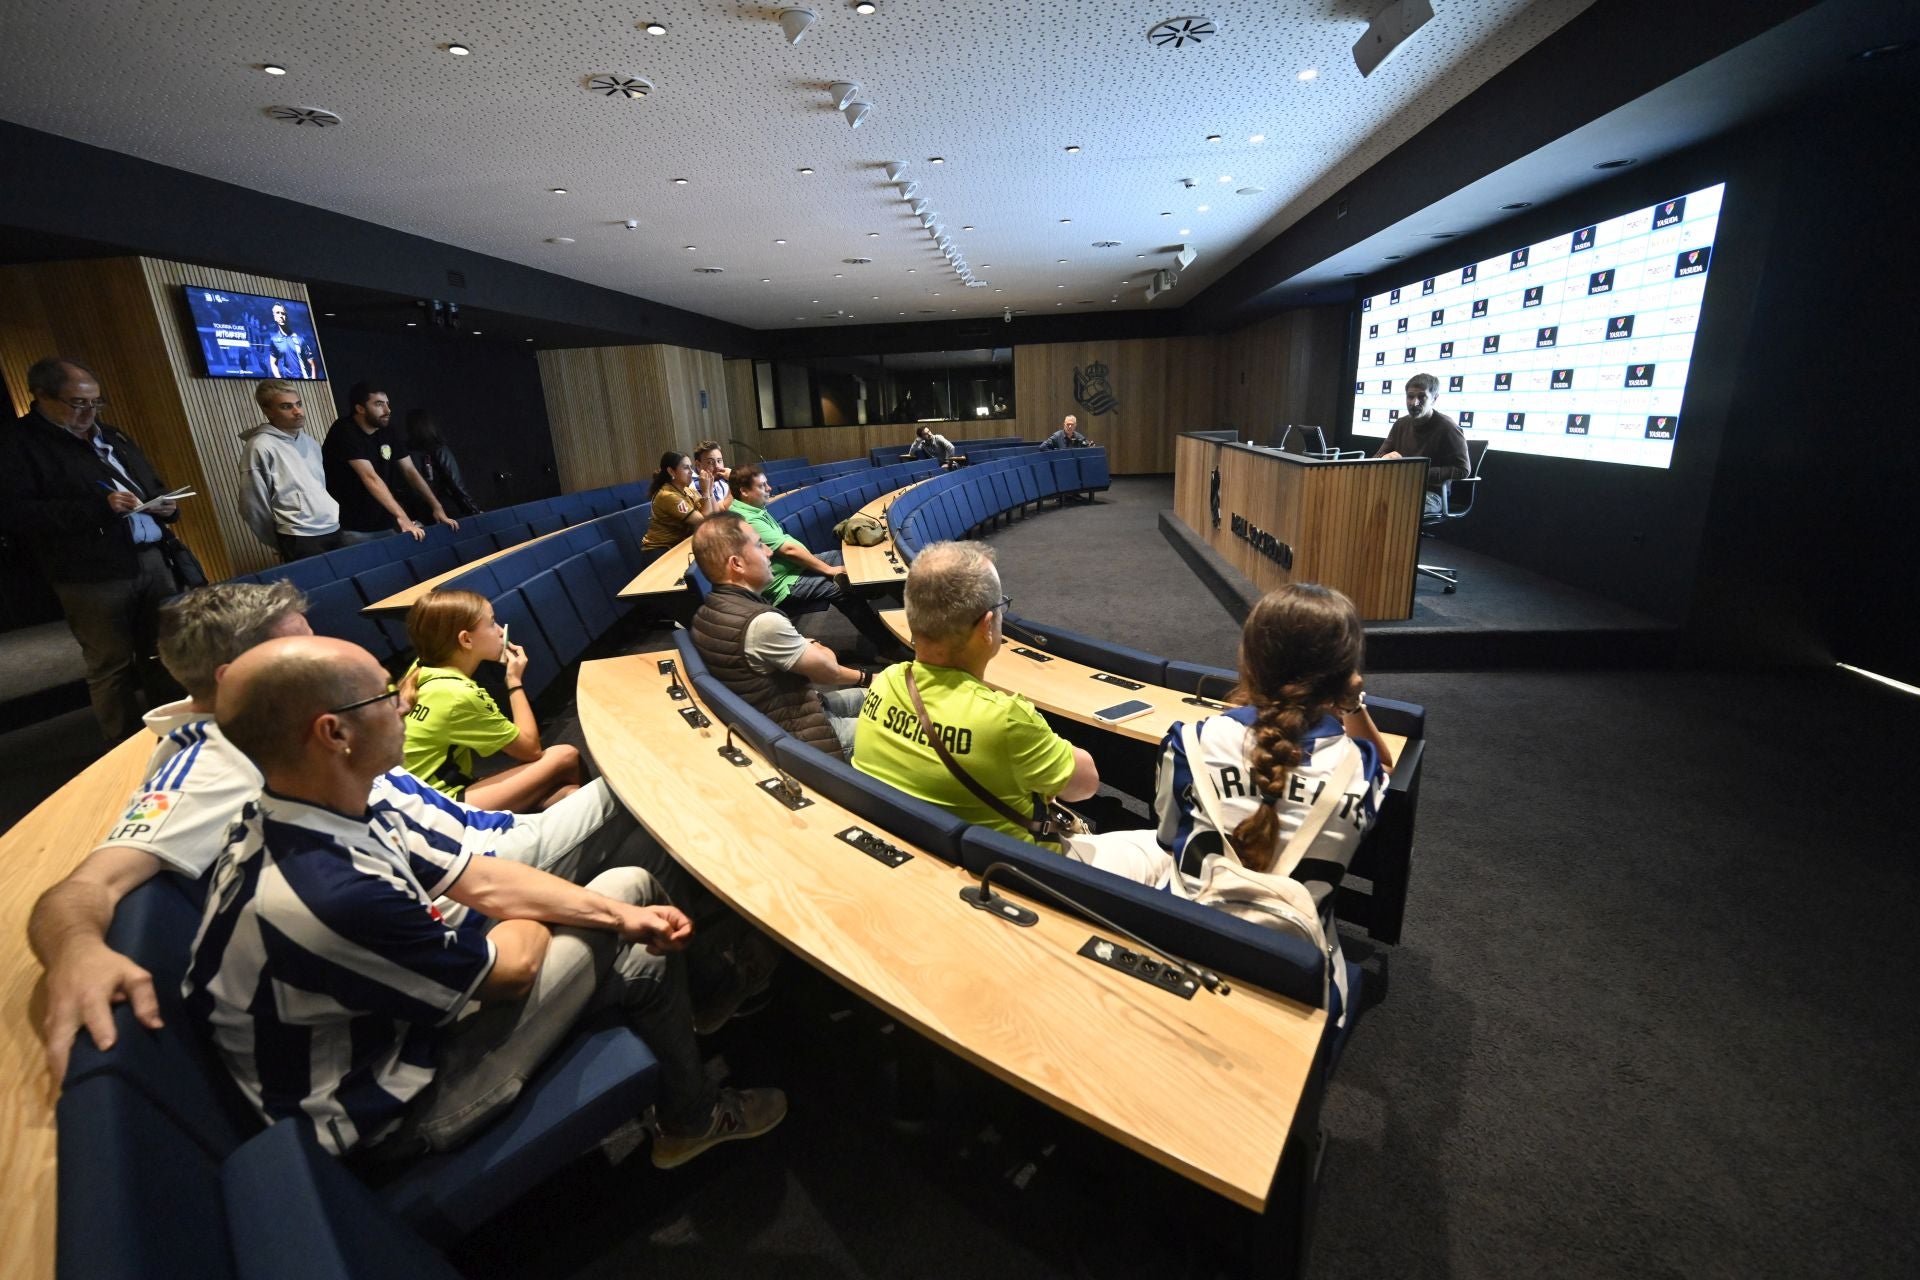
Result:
[[880, 455], [959, 502]]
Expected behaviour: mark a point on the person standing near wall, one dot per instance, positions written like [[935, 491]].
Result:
[[283, 480]]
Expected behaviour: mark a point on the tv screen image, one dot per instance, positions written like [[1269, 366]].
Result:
[[1576, 346], [250, 335]]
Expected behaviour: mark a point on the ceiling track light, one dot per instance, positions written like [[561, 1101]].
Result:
[[794, 23], [908, 190], [856, 113], [918, 205], [894, 169], [844, 92]]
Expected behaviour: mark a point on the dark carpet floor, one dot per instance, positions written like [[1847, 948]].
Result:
[[1653, 1013]]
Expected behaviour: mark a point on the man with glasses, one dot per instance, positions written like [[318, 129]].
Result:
[[70, 486], [955, 608]]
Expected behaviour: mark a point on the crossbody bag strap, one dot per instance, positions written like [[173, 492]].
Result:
[[966, 779], [1310, 825]]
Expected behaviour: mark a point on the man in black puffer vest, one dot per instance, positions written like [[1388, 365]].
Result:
[[755, 650]]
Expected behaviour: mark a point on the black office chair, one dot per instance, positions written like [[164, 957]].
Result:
[[1453, 508], [1311, 442]]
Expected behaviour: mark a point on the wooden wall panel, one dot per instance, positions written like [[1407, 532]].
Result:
[[1163, 386], [122, 317], [1285, 369]]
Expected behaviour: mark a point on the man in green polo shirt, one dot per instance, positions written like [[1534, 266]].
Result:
[[955, 608], [799, 576]]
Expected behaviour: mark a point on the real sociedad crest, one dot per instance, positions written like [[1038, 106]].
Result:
[[1091, 390]]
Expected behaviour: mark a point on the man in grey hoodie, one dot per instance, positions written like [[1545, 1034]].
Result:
[[283, 487]]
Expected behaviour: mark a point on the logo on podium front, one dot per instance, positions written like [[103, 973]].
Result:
[[1092, 392]]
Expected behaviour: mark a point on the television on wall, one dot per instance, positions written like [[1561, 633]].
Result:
[[251, 335]]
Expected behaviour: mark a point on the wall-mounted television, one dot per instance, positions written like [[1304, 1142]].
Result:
[[251, 335], [1576, 346]]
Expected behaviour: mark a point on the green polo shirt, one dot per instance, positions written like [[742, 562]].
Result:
[[996, 737], [784, 570]]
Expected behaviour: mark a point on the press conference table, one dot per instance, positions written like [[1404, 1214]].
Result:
[[1206, 1087], [1067, 688]]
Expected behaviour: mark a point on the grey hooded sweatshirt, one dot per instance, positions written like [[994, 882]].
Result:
[[283, 487]]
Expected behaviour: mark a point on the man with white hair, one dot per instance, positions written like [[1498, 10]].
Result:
[[955, 609]]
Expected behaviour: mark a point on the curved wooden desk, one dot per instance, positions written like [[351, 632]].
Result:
[[40, 849], [1067, 688], [404, 599], [1096, 1045], [879, 563], [666, 576]]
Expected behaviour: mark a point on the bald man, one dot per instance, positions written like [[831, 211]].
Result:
[[319, 893]]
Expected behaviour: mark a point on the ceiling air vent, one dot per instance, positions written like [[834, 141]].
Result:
[[857, 262], [1178, 33], [1106, 244], [609, 84], [318, 117], [708, 271]]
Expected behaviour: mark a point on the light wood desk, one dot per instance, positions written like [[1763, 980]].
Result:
[[881, 562], [1067, 688], [666, 576], [404, 599], [1096, 1045], [39, 850]]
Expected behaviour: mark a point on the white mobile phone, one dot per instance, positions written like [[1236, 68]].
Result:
[[505, 643], [1123, 711]]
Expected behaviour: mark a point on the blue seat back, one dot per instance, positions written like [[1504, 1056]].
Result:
[[473, 547], [431, 562], [885, 808], [543, 664], [481, 578], [1207, 682], [1135, 664], [383, 580], [564, 630], [545, 523], [348, 561], [1027, 479], [304, 574], [333, 609], [590, 599], [612, 571]]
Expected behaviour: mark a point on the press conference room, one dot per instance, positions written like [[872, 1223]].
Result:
[[1276, 703]]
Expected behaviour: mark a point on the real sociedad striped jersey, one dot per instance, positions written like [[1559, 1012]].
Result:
[[323, 970]]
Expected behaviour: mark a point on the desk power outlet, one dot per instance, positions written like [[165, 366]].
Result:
[[875, 847], [1143, 967]]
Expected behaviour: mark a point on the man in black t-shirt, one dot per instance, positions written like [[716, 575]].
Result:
[[365, 462], [1424, 432]]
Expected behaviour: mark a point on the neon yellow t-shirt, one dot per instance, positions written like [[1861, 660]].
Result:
[[996, 737], [452, 719]]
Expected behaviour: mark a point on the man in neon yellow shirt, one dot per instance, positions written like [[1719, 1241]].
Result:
[[955, 608]]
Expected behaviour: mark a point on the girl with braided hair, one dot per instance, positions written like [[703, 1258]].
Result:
[[1299, 719]]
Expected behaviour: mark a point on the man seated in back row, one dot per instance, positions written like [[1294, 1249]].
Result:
[[320, 895], [799, 576], [1067, 437], [756, 651], [928, 443], [955, 608]]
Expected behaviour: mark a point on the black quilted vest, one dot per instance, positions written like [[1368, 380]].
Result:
[[719, 633]]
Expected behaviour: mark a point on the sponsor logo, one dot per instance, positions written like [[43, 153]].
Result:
[[1466, 419], [1665, 215], [1692, 262], [144, 816], [1516, 422], [1359, 388], [1562, 379], [1379, 357], [1639, 375], [1600, 282], [1407, 358], [1393, 415], [1503, 382], [1532, 297], [1454, 383], [1373, 331], [1489, 344], [1426, 286], [1662, 427], [1479, 307], [1582, 239], [1547, 337], [1366, 304], [1517, 259], [1386, 386], [1263, 542], [1446, 351], [1366, 415], [1469, 274], [1393, 297], [386, 453], [1438, 317], [1619, 327], [1577, 423], [1401, 327]]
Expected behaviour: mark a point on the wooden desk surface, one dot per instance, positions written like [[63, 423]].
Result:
[[1206, 1087], [1067, 688], [404, 599], [666, 575], [868, 566], [40, 849]]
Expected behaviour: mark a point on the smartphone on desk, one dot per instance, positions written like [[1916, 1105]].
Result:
[[1122, 711]]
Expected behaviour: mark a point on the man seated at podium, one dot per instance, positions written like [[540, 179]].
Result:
[[756, 651], [1424, 432], [934, 728]]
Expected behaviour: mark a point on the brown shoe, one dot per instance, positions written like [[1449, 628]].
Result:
[[740, 1113]]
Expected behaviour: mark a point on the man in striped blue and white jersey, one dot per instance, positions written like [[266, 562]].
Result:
[[196, 785], [335, 989]]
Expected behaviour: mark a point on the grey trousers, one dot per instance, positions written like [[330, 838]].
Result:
[[117, 624], [487, 1058]]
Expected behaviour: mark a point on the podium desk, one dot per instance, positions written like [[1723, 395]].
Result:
[[1281, 518], [1096, 1045]]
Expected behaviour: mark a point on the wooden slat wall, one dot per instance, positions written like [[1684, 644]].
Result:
[[122, 317], [615, 410], [1164, 386], [217, 410], [1282, 370], [1353, 526]]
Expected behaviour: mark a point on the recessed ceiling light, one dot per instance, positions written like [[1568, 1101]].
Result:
[[692, 247], [1613, 164], [458, 50], [1394, 257], [1065, 221], [556, 191], [872, 234], [1226, 177], [967, 227], [274, 69], [1249, 191], [1059, 286], [1257, 138], [1213, 137], [1518, 204], [529, 339], [986, 266], [816, 302], [865, 7], [1350, 275], [559, 239], [1203, 208], [679, 182], [779, 241], [476, 333], [411, 323], [910, 270], [1310, 73], [1061, 261], [1142, 255], [936, 293], [1073, 151], [328, 313], [999, 290], [805, 170], [1183, 231], [838, 274], [876, 297], [1443, 235], [936, 159], [765, 280], [1881, 51], [654, 29]]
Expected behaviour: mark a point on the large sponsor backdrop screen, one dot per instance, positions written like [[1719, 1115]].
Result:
[[247, 335], [1573, 347]]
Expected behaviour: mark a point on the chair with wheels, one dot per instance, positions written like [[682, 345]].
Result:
[[1456, 502]]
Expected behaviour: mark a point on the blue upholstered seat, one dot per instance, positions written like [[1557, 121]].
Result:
[[558, 619], [304, 574], [1134, 664], [333, 609], [589, 597], [878, 805], [431, 562], [543, 665]]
